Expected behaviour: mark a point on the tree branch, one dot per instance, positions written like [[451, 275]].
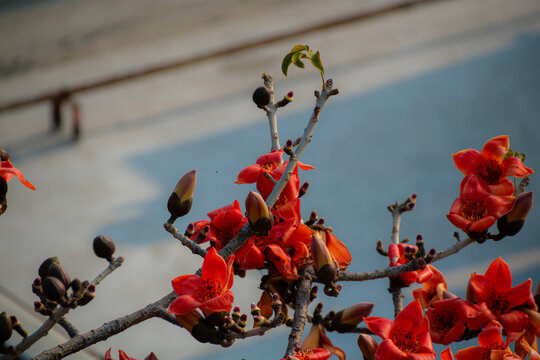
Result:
[[300, 313], [271, 110], [195, 248]]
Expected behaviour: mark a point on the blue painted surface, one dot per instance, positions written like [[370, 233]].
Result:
[[371, 150]]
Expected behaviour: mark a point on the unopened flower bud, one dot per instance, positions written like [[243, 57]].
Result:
[[347, 319], [258, 214], [43, 270], [259, 320], [320, 222], [421, 263], [6, 327], [243, 321], [38, 306], [255, 310], [204, 332], [76, 286], [313, 293], [537, 295], [190, 229], [261, 96], [4, 155], [59, 272], [312, 218], [368, 345], [88, 296], [511, 223], [180, 201], [53, 288], [104, 247], [202, 235], [303, 189], [323, 262]]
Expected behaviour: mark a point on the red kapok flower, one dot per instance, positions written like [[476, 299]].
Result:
[[224, 224], [476, 210], [433, 289], [407, 337], [396, 253], [8, 172], [209, 292], [491, 166], [448, 319], [491, 346], [272, 164], [310, 354], [498, 299]]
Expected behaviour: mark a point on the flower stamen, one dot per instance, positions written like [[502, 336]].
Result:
[[474, 210]]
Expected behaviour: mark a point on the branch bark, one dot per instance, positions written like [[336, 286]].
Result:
[[300, 314]]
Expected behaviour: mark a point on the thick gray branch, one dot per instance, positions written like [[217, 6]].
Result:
[[300, 314]]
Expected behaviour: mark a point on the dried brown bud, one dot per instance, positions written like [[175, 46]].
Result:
[[53, 288], [303, 189], [258, 214], [4, 155], [59, 272], [104, 247], [180, 201], [261, 96], [43, 270], [6, 327]]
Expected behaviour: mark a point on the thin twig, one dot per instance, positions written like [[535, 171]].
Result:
[[69, 327], [397, 270], [163, 314], [271, 178], [107, 330], [271, 112], [300, 314], [60, 313], [195, 248], [306, 139]]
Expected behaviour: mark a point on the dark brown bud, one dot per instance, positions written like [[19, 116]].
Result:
[[323, 262], [511, 223], [88, 296], [59, 272], [261, 96], [3, 187], [303, 189], [4, 155], [53, 288], [104, 247], [6, 327], [190, 229], [204, 332], [45, 265], [180, 201], [258, 214]]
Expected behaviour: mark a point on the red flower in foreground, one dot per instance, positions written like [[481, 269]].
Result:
[[448, 319], [315, 354], [494, 293], [209, 292], [272, 164], [396, 253], [476, 210], [407, 337], [8, 172], [491, 346], [491, 166], [123, 356]]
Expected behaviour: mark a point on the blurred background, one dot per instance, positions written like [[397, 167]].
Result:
[[417, 83]]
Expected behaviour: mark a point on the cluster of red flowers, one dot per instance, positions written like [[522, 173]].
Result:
[[492, 305], [486, 193], [283, 248]]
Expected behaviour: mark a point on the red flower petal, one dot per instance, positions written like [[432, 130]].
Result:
[[467, 161], [458, 221], [410, 318], [271, 157], [481, 225], [513, 166], [249, 256], [183, 305], [305, 166], [513, 321], [222, 302], [388, 350], [186, 284], [497, 206], [492, 334], [496, 148], [481, 287], [447, 354], [338, 250], [248, 175], [471, 353], [504, 188], [380, 326], [8, 172], [499, 274], [214, 267]]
